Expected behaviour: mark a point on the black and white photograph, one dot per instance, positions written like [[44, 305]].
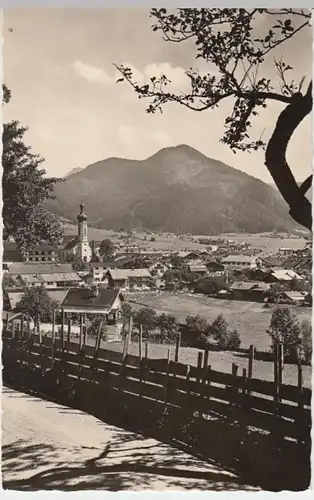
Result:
[[156, 249]]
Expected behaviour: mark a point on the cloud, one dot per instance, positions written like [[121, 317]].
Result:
[[175, 74], [128, 136], [160, 138], [93, 74], [132, 136]]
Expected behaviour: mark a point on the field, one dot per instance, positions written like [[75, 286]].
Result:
[[220, 361], [249, 318], [166, 242]]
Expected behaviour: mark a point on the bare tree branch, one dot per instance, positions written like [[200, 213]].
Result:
[[289, 119]]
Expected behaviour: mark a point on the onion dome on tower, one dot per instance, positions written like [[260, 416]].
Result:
[[82, 216]]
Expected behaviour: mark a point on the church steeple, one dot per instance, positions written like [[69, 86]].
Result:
[[84, 252], [82, 224], [82, 216]]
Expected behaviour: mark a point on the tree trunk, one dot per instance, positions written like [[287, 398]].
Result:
[[275, 158]]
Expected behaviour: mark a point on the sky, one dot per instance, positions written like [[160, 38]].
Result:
[[58, 65]]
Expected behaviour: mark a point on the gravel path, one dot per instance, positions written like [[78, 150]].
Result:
[[49, 446]]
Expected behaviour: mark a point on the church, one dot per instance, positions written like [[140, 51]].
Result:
[[76, 248]]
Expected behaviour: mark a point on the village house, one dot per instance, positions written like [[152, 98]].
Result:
[[198, 269], [49, 275], [249, 291], [50, 280], [40, 253], [240, 262], [94, 302], [293, 298], [11, 255], [11, 297], [214, 268], [188, 256], [158, 269], [273, 262], [283, 276], [129, 279]]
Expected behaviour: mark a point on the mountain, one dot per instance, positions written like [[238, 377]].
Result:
[[73, 171], [176, 189]]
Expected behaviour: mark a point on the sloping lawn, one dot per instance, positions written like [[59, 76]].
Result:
[[249, 318]]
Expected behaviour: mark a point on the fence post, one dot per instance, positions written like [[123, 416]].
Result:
[[140, 342], [126, 346], [22, 328], [300, 404], [178, 344], [244, 388], [53, 337], [81, 332], [127, 337], [167, 377], [251, 360], [280, 367], [234, 388], [13, 329], [199, 364], [276, 381], [98, 338], [29, 328], [146, 349], [204, 380], [69, 330], [39, 331], [62, 329], [84, 332]]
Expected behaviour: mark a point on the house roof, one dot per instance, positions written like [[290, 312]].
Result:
[[11, 252], [40, 268], [43, 247], [84, 297], [186, 253], [285, 275], [296, 295], [60, 277], [250, 286], [273, 261], [240, 258], [10, 245], [12, 256], [15, 296], [198, 268], [45, 278], [31, 278], [71, 244], [123, 274]]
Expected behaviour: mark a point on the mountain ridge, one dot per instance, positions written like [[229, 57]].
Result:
[[176, 189]]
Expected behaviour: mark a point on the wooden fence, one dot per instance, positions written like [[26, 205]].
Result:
[[279, 409]]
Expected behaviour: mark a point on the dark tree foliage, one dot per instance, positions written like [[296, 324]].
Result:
[[36, 304], [234, 49], [106, 249], [25, 187]]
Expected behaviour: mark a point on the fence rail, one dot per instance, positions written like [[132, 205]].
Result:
[[277, 408]]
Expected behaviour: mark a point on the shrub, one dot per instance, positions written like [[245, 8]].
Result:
[[233, 340], [219, 330], [285, 329], [306, 340]]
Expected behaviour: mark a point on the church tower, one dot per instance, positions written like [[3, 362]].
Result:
[[84, 249]]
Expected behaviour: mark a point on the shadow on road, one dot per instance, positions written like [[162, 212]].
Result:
[[115, 468]]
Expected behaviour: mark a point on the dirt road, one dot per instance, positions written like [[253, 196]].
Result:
[[49, 446]]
